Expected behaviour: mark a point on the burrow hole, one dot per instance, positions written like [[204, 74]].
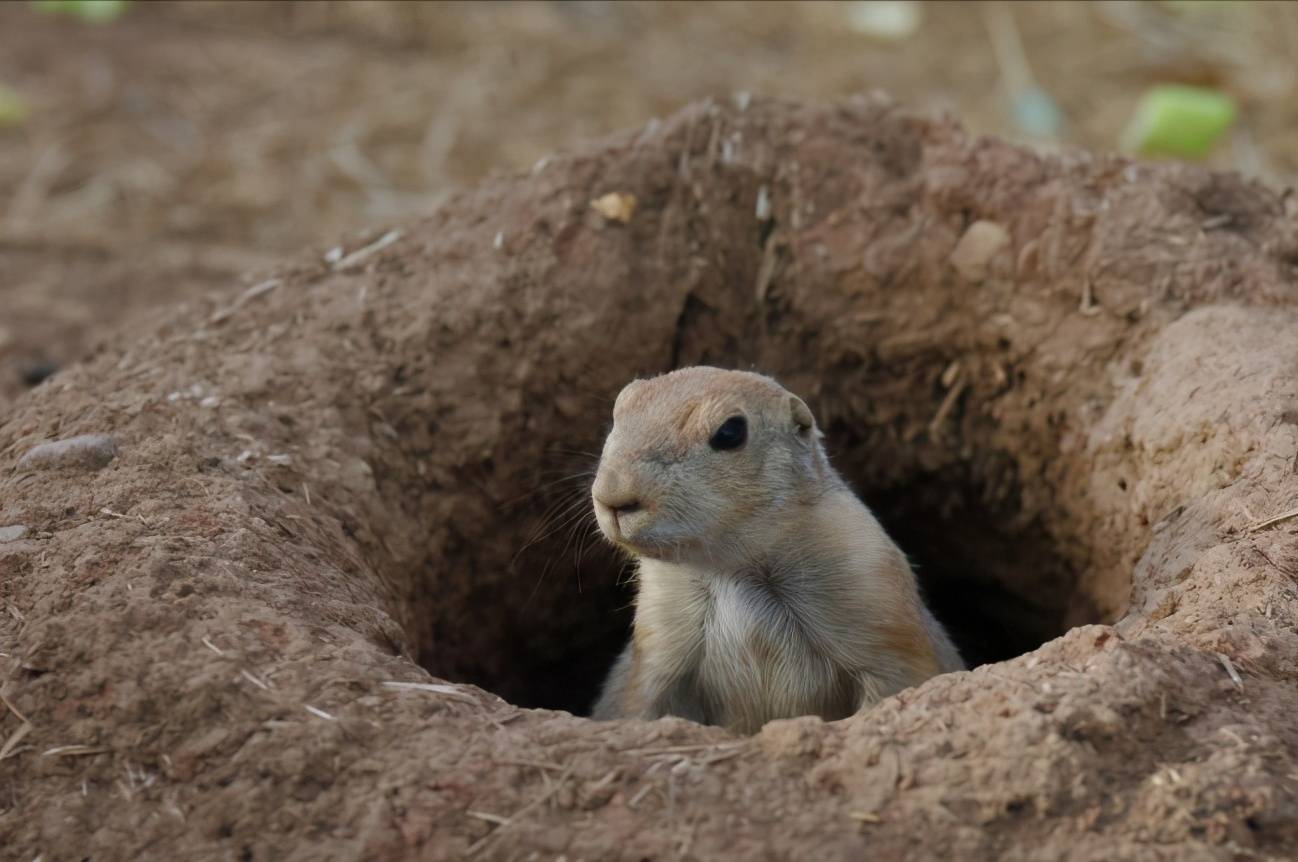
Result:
[[1000, 590]]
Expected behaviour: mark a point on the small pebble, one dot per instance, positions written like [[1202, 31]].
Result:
[[12, 533], [87, 451], [980, 244], [885, 20], [615, 206]]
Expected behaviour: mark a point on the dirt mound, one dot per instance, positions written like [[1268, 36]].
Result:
[[1067, 384]]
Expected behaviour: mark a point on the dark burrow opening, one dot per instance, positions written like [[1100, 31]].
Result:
[[999, 585], [1000, 589]]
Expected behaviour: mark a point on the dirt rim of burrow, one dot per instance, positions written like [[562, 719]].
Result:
[[1066, 382]]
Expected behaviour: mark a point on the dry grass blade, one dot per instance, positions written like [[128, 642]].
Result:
[[490, 818], [935, 426], [15, 738], [423, 686], [635, 801], [686, 749], [717, 758], [13, 708], [243, 299], [362, 254], [535, 764], [261, 684], [513, 818], [448, 690], [75, 751], [1230, 669], [1272, 521]]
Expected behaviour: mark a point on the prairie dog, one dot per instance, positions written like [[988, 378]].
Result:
[[766, 588]]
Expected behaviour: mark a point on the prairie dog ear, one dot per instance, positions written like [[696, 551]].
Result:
[[625, 394], [801, 414]]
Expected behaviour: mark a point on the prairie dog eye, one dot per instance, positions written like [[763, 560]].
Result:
[[732, 434]]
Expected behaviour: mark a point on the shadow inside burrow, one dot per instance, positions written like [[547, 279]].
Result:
[[1001, 588]]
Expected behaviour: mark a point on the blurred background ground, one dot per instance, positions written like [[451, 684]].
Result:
[[173, 153]]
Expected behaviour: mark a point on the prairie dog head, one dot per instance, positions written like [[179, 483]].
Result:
[[704, 464]]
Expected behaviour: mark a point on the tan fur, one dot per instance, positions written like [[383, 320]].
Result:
[[766, 588]]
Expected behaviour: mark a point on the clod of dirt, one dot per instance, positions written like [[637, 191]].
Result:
[[1079, 453], [85, 452], [12, 533]]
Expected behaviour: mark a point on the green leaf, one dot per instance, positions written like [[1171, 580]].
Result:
[[93, 11], [1179, 121]]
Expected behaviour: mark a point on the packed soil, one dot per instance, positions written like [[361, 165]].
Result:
[[317, 596]]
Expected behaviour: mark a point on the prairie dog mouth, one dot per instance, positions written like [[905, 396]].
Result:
[[639, 534]]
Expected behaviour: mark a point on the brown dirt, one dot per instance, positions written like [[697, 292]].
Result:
[[190, 145], [333, 483]]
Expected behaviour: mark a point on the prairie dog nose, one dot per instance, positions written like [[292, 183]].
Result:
[[626, 508], [615, 499], [615, 494]]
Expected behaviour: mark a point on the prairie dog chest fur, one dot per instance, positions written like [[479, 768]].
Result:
[[766, 589], [736, 649]]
